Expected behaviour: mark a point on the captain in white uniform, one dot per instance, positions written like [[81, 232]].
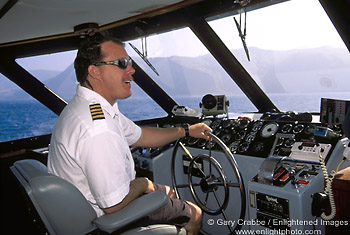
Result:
[[90, 142]]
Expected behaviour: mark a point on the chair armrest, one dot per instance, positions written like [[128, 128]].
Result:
[[135, 210]]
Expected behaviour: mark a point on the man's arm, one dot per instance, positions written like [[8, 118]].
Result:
[[138, 187], [156, 137]]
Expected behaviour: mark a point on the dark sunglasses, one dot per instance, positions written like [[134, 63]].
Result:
[[122, 63]]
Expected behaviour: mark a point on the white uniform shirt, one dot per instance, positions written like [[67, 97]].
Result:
[[94, 155]]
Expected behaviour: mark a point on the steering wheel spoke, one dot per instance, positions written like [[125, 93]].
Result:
[[209, 184]]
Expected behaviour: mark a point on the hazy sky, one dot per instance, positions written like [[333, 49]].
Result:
[[306, 19], [296, 24]]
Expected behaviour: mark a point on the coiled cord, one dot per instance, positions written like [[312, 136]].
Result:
[[328, 189]]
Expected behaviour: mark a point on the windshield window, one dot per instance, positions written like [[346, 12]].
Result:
[[187, 71], [22, 116], [56, 71], [296, 54]]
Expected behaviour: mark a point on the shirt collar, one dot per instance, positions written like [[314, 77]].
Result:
[[94, 98]]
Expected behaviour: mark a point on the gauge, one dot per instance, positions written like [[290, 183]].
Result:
[[207, 122], [240, 135], [212, 144], [310, 129], [243, 123], [192, 140], [216, 123], [269, 130], [298, 128], [234, 146], [202, 143], [257, 126], [226, 138], [243, 147], [250, 137], [226, 123], [286, 128], [289, 143]]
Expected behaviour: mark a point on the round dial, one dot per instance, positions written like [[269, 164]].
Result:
[[298, 128], [257, 126], [250, 137], [240, 135], [202, 143], [192, 141], [226, 123], [234, 146], [269, 129], [243, 123], [209, 101], [286, 128], [210, 144], [216, 124], [226, 138], [243, 147], [289, 143]]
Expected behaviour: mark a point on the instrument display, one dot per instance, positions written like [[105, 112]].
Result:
[[257, 137], [286, 128], [269, 130]]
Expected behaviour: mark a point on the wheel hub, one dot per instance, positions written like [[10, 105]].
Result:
[[209, 183]]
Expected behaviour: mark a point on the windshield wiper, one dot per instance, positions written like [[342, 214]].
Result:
[[144, 54], [243, 35]]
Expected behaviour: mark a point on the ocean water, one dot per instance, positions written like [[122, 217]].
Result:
[[22, 119]]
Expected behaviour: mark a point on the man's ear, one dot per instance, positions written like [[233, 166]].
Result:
[[94, 72]]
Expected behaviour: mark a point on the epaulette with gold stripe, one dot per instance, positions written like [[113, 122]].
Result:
[[96, 112]]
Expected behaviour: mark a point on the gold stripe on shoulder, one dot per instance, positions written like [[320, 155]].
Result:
[[96, 112]]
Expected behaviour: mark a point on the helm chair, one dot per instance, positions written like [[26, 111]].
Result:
[[64, 210]]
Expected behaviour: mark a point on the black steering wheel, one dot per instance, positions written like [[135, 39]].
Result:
[[209, 180]]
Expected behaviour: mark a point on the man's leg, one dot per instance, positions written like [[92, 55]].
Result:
[[168, 190], [178, 212], [194, 224]]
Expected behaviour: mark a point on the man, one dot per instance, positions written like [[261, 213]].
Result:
[[90, 142]]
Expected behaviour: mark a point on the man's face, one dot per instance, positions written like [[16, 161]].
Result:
[[115, 82]]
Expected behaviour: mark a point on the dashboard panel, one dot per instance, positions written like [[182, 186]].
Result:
[[252, 138], [261, 138]]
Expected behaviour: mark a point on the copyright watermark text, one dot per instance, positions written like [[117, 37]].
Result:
[[284, 226]]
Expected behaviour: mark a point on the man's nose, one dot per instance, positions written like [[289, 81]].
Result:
[[130, 70]]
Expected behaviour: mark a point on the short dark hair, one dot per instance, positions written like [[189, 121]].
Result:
[[90, 53]]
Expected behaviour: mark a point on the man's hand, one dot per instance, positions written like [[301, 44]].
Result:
[[198, 130], [150, 186], [138, 187]]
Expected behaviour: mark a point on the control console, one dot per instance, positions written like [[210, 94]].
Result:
[[280, 195], [261, 138]]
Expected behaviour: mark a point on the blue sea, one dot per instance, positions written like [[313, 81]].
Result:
[[22, 119]]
